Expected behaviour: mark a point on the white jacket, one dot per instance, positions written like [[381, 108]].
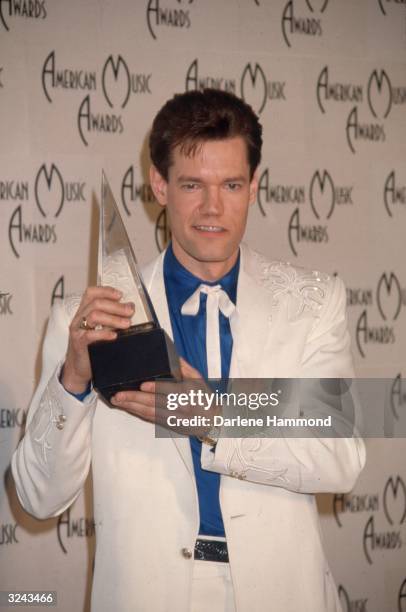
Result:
[[291, 323]]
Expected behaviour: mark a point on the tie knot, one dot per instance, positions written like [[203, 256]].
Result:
[[208, 289], [217, 299]]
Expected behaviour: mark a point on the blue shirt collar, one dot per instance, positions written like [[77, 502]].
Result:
[[183, 283]]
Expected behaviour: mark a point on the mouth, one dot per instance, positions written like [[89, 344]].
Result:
[[212, 229]]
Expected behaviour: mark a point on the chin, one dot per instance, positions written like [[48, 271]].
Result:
[[211, 255]]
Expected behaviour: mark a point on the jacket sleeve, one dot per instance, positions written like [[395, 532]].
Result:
[[312, 464], [52, 461]]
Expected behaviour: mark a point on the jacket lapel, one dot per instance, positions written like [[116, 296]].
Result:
[[253, 319], [153, 276]]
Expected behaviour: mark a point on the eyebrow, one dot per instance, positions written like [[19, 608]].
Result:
[[188, 179], [194, 179]]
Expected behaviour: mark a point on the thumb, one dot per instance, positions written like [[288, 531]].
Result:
[[187, 370]]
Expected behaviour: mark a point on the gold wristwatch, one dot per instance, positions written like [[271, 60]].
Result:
[[212, 436]]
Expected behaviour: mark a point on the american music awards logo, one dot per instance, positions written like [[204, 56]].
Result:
[[323, 198], [25, 9], [50, 192], [163, 14], [386, 509], [117, 83], [307, 224], [379, 96], [394, 506], [389, 299], [252, 85]]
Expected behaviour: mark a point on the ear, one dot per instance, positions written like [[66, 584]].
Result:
[[254, 187], [158, 185]]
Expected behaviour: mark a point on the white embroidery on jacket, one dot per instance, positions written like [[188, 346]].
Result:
[[48, 417], [242, 463], [305, 289]]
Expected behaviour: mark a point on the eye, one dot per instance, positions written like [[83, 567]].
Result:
[[190, 186], [233, 186]]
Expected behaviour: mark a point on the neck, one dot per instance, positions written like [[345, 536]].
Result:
[[205, 270]]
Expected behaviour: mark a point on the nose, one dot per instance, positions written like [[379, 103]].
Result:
[[212, 203]]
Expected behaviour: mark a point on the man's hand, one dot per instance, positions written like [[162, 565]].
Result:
[[151, 402], [101, 308]]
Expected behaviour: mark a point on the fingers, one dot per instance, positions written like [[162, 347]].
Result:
[[139, 403], [100, 306], [95, 317], [93, 335], [108, 306], [149, 386], [150, 407], [133, 397], [93, 293]]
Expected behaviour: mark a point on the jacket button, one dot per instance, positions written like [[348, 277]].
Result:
[[187, 553], [60, 421]]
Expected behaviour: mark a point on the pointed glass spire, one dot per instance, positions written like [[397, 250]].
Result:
[[117, 265]]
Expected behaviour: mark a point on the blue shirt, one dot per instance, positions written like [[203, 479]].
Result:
[[189, 334]]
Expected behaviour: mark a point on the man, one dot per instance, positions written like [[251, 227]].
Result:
[[184, 525]]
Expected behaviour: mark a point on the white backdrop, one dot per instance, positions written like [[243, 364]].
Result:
[[80, 83]]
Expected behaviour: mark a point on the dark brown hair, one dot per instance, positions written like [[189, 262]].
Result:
[[189, 119]]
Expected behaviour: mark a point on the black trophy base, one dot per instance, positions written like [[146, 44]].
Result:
[[141, 353]]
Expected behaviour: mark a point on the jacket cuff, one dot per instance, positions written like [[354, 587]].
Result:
[[59, 414]]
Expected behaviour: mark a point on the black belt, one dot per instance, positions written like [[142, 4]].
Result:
[[211, 550]]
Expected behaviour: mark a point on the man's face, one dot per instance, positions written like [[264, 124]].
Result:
[[207, 198]]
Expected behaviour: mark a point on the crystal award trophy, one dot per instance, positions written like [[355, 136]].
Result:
[[144, 351]]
